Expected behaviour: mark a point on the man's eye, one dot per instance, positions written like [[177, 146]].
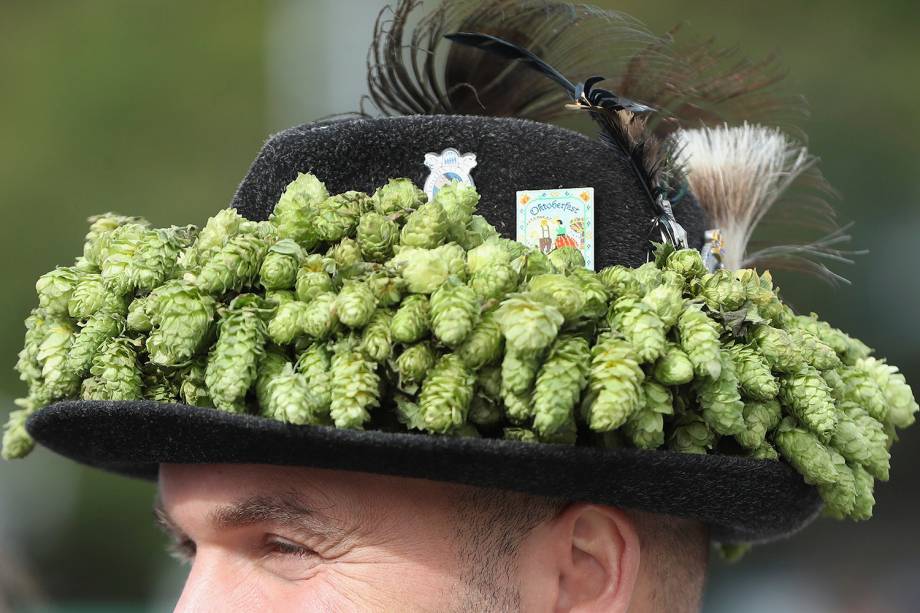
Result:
[[285, 547], [183, 550]]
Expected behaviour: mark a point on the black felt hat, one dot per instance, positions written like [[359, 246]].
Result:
[[472, 102], [740, 499]]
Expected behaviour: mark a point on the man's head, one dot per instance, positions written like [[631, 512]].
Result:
[[284, 538]]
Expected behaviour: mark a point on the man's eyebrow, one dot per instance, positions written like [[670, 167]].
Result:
[[287, 510]]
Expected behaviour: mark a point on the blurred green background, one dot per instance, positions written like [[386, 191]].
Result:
[[157, 108]]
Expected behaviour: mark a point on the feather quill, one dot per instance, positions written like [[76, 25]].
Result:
[[741, 174]]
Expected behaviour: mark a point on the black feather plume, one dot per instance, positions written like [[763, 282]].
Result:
[[690, 83]]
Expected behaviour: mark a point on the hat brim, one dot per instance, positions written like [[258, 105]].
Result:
[[741, 499]]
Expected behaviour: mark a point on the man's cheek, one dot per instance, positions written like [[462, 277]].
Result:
[[383, 585]]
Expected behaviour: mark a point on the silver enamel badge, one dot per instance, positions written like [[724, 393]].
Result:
[[449, 165]]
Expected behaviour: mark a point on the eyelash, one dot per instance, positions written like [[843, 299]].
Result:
[[183, 550], [287, 548]]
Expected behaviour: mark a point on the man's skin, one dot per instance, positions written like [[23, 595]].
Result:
[[269, 538]]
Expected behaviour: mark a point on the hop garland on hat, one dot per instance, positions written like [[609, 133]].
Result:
[[376, 318]]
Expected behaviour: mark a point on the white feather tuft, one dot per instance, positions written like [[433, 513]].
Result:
[[740, 173]]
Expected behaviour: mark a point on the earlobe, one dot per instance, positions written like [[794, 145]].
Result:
[[599, 559]]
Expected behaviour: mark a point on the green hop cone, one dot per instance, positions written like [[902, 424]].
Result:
[[337, 216], [159, 385], [234, 359], [490, 253], [648, 276], [455, 258], [699, 338], [281, 264], [454, 313], [807, 396], [355, 387], [377, 235], [16, 440], [531, 264], [615, 381], [181, 317], [674, 367], [494, 282], [88, 296], [559, 290], [840, 496], [413, 365], [458, 201], [155, 259], [667, 302], [271, 364], [412, 319], [57, 380], [757, 382], [483, 346], [213, 236], [529, 323], [620, 281], [424, 270], [524, 435], [286, 324], [118, 264], [398, 195], [594, 293], [642, 328], [864, 485], [101, 327], [193, 390], [233, 267], [779, 349], [319, 318], [851, 441], [566, 260], [686, 262], [902, 407], [805, 453], [720, 399], [760, 417], [316, 365], [478, 231], [426, 227], [814, 352], [293, 214], [29, 367], [138, 320], [645, 427], [690, 434], [115, 372], [375, 340], [765, 451], [446, 393], [559, 384], [100, 232], [56, 288], [859, 386], [721, 291], [518, 373], [355, 304], [291, 400], [489, 382], [278, 297], [873, 434], [311, 283], [347, 256], [388, 289]]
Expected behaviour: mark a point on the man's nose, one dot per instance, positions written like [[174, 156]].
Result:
[[216, 583]]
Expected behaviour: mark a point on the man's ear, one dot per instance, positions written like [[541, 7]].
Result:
[[592, 556]]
